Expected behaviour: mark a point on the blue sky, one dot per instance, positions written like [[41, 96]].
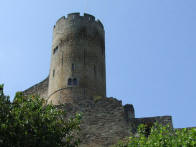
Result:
[[150, 50]]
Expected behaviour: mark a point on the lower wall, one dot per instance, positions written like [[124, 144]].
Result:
[[149, 121], [40, 89], [104, 120]]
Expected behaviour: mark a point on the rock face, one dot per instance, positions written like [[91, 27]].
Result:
[[77, 83]]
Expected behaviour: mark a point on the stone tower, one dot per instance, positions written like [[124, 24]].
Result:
[[78, 59]]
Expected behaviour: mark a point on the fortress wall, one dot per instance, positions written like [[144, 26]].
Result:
[[129, 112], [164, 120], [40, 89], [104, 120], [149, 121]]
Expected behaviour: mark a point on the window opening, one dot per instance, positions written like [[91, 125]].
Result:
[[73, 67], [84, 57], [75, 82], [94, 68], [69, 81], [55, 50], [62, 59], [53, 73]]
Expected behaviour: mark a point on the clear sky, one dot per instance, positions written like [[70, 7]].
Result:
[[150, 50]]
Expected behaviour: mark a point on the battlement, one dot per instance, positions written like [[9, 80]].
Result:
[[76, 16], [73, 15]]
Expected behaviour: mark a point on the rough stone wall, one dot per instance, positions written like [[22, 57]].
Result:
[[78, 52], [129, 112], [40, 89], [104, 120], [149, 121], [164, 120]]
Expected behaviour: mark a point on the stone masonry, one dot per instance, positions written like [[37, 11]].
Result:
[[77, 83], [78, 59]]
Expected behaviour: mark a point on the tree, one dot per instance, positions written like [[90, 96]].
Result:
[[161, 136], [29, 122]]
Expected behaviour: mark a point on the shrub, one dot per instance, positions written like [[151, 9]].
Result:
[[161, 136], [28, 122]]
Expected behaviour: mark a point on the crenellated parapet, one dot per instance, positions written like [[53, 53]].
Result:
[[74, 18], [77, 27]]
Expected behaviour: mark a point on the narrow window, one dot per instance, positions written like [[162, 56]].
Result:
[[53, 73], [69, 82], [95, 70], [73, 67], [55, 50], [75, 82], [84, 57], [62, 59]]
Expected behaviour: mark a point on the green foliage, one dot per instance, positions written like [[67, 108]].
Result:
[[28, 122], [161, 136]]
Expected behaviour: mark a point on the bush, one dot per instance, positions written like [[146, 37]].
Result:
[[161, 136], [28, 122]]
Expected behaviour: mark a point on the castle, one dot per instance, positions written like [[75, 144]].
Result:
[[77, 83]]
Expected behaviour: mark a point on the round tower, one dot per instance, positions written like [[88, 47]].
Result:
[[78, 59]]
